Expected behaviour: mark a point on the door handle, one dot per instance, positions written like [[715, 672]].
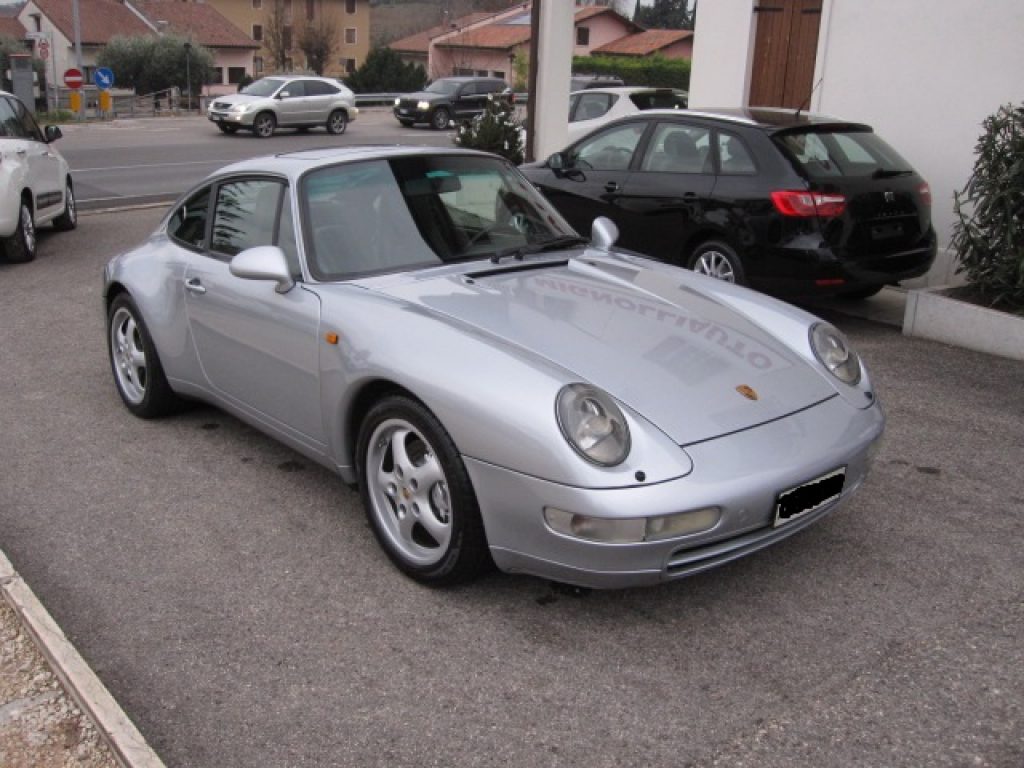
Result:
[[21, 152], [195, 286], [611, 186]]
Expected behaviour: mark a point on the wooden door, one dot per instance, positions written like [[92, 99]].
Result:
[[784, 53]]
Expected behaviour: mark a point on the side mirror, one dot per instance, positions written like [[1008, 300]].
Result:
[[52, 133], [264, 262], [603, 233], [556, 162]]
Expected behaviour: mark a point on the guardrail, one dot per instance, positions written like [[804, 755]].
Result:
[[387, 99]]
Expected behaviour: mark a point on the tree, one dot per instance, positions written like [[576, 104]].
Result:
[[385, 72], [497, 130], [318, 43], [665, 14], [277, 35], [150, 64]]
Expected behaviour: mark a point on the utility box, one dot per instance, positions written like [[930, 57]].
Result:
[[23, 79]]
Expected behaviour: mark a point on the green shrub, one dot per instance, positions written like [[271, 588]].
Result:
[[53, 117], [385, 72], [497, 130], [651, 70], [988, 237]]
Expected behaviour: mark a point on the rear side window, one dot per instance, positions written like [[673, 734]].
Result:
[[593, 105], [188, 224], [660, 99], [678, 148], [831, 154], [319, 88], [733, 157]]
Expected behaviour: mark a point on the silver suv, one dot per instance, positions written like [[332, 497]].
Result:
[[286, 101], [35, 183]]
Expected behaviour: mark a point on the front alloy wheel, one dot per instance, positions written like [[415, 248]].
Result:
[[264, 124], [417, 494], [440, 119], [137, 371]]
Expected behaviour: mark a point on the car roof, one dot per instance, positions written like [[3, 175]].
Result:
[[626, 90], [468, 78], [294, 164], [768, 119]]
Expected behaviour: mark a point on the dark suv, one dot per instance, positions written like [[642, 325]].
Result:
[[447, 99], [786, 202]]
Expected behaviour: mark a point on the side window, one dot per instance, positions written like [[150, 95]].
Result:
[[573, 101], [28, 123], [609, 151], [294, 89], [733, 157], [10, 125], [187, 225], [245, 215], [593, 105], [319, 88], [679, 148]]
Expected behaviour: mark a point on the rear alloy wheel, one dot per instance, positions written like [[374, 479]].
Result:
[[21, 246], [440, 119], [227, 128], [68, 220], [137, 371], [264, 124], [716, 259], [417, 494], [337, 122]]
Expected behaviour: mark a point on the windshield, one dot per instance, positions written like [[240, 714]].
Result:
[[266, 87], [831, 154], [418, 211], [447, 87]]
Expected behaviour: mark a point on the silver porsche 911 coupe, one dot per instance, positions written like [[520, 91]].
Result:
[[503, 391]]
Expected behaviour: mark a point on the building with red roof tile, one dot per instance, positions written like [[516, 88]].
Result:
[[670, 43]]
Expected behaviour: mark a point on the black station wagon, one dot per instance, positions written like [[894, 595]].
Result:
[[783, 201]]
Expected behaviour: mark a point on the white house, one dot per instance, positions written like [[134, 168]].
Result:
[[923, 73]]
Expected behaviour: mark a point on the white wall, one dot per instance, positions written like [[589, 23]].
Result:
[[923, 73]]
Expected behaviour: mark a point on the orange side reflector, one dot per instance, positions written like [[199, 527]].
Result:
[[332, 337]]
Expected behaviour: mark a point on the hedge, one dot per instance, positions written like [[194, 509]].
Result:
[[650, 70]]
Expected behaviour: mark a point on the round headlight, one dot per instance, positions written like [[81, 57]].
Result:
[[835, 353], [593, 424]]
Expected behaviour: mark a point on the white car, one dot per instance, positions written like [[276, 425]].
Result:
[[593, 107], [35, 182]]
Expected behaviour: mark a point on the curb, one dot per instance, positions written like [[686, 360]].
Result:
[[126, 743]]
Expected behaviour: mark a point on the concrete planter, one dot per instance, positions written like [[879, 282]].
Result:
[[930, 314]]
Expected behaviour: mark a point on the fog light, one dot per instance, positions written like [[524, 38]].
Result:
[[633, 530], [682, 524], [607, 530]]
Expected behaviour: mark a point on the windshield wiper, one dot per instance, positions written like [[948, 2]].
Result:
[[888, 173], [540, 246]]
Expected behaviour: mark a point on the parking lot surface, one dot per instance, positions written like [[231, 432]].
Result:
[[232, 598]]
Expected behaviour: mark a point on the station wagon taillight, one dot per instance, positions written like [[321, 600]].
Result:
[[804, 204]]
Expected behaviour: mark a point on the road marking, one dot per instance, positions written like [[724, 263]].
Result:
[[140, 167]]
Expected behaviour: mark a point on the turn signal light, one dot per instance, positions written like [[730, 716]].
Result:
[[804, 204]]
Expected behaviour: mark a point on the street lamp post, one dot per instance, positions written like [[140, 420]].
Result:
[[188, 76]]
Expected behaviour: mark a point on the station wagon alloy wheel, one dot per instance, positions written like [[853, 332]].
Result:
[[719, 261]]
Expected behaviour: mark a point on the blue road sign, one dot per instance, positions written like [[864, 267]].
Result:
[[103, 78]]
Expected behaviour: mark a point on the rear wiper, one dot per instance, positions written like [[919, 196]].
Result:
[[888, 173], [551, 244]]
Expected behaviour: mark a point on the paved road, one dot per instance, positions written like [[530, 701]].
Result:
[[125, 161], [232, 598]]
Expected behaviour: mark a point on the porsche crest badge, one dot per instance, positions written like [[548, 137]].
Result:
[[748, 392]]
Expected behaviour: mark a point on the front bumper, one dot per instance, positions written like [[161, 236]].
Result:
[[411, 113], [742, 474], [241, 119]]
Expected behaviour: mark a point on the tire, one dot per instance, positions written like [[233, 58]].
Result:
[[717, 259], [418, 496], [138, 374], [20, 247], [264, 125], [337, 122], [440, 119], [228, 129], [861, 293], [68, 220]]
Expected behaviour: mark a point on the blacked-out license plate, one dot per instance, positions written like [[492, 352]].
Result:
[[886, 231], [804, 499]]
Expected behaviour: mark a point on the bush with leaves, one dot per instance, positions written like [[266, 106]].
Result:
[[656, 70], [150, 64], [497, 130], [385, 72], [988, 237]]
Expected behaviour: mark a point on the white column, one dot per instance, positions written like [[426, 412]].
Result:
[[554, 69]]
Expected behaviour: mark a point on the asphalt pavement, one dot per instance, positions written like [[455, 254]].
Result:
[[231, 597]]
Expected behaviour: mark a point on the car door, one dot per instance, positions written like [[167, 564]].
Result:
[[41, 165], [669, 196], [291, 105], [593, 174], [257, 348], [320, 97], [467, 101]]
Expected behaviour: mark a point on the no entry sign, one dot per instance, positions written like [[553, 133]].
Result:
[[73, 78]]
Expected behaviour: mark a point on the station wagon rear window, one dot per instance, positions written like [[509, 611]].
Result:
[[831, 154]]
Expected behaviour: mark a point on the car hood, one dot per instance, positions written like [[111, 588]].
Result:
[[667, 350], [424, 96], [239, 98]]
